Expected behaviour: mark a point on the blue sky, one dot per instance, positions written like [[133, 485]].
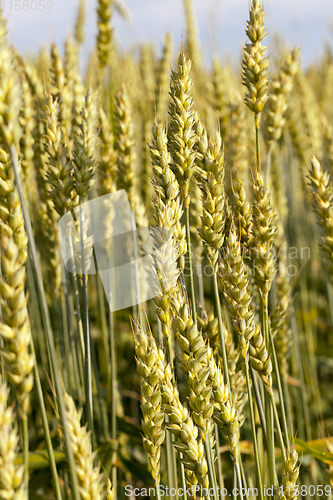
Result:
[[221, 23]]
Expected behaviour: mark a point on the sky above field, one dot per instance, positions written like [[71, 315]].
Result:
[[220, 22]]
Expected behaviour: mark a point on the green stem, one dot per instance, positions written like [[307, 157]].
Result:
[[243, 476], [268, 168], [239, 479], [218, 459], [278, 429], [78, 372], [259, 405], [113, 374], [189, 253], [46, 429], [87, 340], [25, 434], [171, 459], [256, 124], [278, 379], [48, 329], [182, 468], [211, 470], [234, 488], [268, 401], [104, 328], [100, 407], [221, 330], [67, 343], [200, 280], [270, 439], [302, 392], [254, 434], [64, 362], [77, 308], [286, 398], [36, 317]]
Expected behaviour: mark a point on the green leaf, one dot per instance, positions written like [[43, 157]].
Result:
[[40, 460], [125, 425], [137, 470], [106, 453], [316, 448]]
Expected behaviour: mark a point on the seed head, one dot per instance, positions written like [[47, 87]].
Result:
[[182, 137], [255, 63], [213, 197]]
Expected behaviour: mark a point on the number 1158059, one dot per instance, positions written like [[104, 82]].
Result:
[[26, 5]]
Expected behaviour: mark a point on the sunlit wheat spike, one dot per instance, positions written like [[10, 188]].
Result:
[[322, 202], [181, 133], [213, 197], [149, 360], [80, 23], [168, 204], [255, 62], [91, 480], [59, 171], [107, 165], [85, 148], [104, 35], [192, 42], [15, 327], [278, 103], [263, 234], [209, 395], [11, 475], [126, 161], [185, 432], [290, 477], [162, 81]]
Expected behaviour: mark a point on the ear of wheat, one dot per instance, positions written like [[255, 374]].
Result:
[[11, 475]]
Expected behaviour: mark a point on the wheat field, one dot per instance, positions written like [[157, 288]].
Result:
[[206, 371]]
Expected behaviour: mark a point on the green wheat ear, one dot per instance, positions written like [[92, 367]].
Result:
[[277, 103], [80, 22], [91, 480], [213, 198], [263, 234], [104, 35], [11, 475], [255, 62], [149, 360], [322, 202], [182, 137]]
